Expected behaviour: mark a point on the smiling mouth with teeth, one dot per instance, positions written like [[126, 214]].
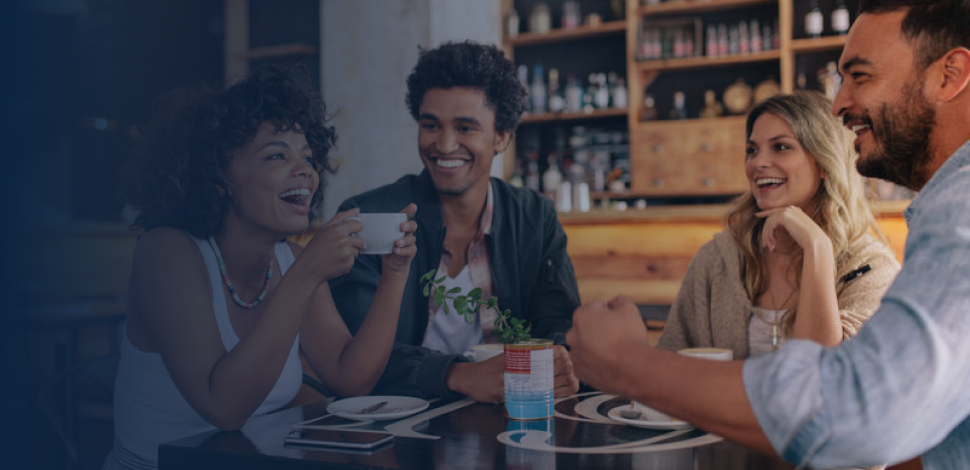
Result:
[[449, 163], [763, 182], [300, 197]]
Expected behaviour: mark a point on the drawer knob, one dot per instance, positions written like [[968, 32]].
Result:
[[657, 148], [707, 146], [657, 182], [707, 181]]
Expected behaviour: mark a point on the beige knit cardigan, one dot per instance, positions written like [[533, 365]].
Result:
[[712, 308]]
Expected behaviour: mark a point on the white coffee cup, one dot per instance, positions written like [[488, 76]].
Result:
[[380, 230], [482, 352], [717, 354]]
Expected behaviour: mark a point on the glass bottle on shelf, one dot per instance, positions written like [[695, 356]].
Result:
[[648, 112], [574, 95], [744, 41], [722, 39], [679, 111], [840, 18], [556, 101], [532, 172], [540, 21], [813, 20], [512, 24], [570, 15], [538, 90], [552, 178], [619, 94], [757, 44], [711, 42], [602, 96], [523, 74]]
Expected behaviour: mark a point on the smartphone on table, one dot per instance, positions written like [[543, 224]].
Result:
[[338, 439]]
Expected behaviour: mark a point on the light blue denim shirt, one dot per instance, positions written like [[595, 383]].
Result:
[[902, 386]]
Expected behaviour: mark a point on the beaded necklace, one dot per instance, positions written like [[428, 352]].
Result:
[[232, 291]]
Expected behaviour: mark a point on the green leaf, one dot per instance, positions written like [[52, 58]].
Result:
[[475, 293], [461, 304], [445, 307], [441, 279], [439, 298], [427, 289], [454, 290]]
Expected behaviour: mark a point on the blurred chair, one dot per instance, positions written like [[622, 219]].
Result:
[[95, 379]]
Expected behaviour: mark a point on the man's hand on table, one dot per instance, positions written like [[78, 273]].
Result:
[[566, 382], [481, 381], [485, 381], [602, 336]]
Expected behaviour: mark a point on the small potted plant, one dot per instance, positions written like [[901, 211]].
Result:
[[528, 362]]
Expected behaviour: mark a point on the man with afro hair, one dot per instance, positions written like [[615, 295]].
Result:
[[479, 230]]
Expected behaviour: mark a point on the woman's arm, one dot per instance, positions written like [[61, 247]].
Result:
[[352, 365], [172, 314], [818, 316]]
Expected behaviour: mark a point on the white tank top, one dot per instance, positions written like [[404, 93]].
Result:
[[148, 407]]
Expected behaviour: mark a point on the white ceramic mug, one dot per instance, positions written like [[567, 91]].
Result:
[[482, 352], [380, 230], [717, 354]]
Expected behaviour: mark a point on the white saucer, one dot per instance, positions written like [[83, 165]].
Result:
[[396, 407], [650, 418]]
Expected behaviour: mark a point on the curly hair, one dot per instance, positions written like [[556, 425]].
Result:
[[840, 207], [178, 174], [472, 65], [932, 27]]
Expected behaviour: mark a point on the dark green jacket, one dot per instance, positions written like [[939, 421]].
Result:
[[531, 275]]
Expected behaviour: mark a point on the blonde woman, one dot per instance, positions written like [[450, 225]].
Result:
[[802, 256]]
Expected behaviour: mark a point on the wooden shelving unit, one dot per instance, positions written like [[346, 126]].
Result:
[[568, 116], [697, 6], [559, 35]]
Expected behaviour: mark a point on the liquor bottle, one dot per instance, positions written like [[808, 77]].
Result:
[[711, 47], [602, 96], [648, 112], [757, 45], [574, 95], [532, 172], [840, 18], [523, 73], [744, 41], [722, 39], [813, 20], [512, 24], [689, 42], [556, 99], [570, 15], [619, 94], [538, 90], [552, 178], [679, 111]]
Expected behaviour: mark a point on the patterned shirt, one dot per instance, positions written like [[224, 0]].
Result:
[[476, 257]]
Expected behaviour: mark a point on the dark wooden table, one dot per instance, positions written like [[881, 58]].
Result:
[[464, 434]]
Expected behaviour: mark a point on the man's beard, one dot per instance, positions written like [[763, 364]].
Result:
[[902, 154]]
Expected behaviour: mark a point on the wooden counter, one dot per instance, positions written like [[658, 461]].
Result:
[[643, 254]]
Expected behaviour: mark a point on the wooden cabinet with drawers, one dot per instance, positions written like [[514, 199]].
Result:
[[688, 157]]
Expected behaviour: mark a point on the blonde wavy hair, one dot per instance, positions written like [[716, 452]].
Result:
[[840, 206]]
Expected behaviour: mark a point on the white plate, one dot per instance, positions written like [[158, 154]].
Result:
[[650, 419], [396, 407]]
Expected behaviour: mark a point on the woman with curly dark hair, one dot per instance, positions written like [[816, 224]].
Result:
[[220, 304]]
